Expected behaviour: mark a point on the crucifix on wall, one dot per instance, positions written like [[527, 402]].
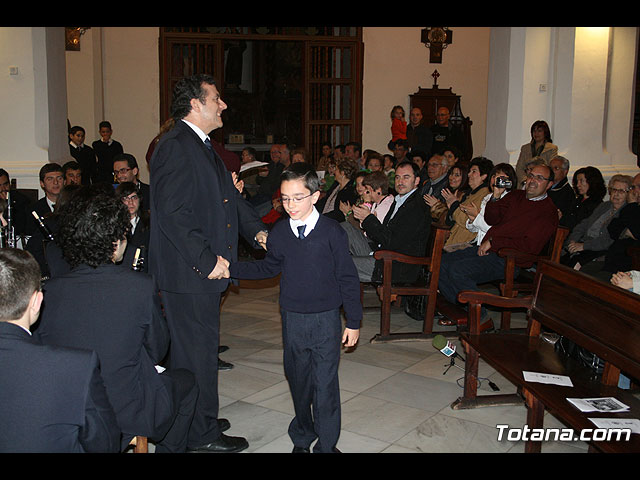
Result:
[[436, 39]]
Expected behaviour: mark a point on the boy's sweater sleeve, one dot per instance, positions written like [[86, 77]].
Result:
[[347, 277], [269, 267]]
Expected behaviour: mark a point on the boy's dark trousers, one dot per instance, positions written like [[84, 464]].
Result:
[[311, 357]]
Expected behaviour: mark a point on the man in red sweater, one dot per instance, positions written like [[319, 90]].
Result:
[[522, 219]]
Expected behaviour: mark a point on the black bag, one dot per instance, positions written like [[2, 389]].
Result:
[[416, 305], [585, 357]]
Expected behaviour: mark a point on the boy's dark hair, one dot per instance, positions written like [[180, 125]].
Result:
[[49, 168], [414, 167], [90, 225], [76, 129], [19, 279], [377, 180], [126, 157], [104, 124], [187, 89], [302, 171]]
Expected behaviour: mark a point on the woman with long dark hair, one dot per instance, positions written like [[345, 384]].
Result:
[[590, 189], [540, 145]]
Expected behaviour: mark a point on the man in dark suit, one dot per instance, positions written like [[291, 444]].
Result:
[[51, 181], [405, 228], [53, 400], [196, 215], [116, 312], [125, 168]]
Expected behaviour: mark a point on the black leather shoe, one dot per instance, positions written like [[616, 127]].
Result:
[[222, 365], [300, 450], [224, 444], [223, 424]]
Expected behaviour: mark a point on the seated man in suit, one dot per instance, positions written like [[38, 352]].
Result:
[[437, 177], [117, 313], [125, 168], [53, 400], [405, 229], [51, 181], [138, 237]]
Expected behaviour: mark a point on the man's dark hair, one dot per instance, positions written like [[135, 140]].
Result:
[[186, 90], [126, 157], [302, 171], [356, 146], [90, 225], [72, 165], [414, 167], [19, 279], [49, 168], [104, 124], [3, 172]]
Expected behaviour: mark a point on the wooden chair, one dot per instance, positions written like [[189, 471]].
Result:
[[509, 288], [140, 444], [389, 292]]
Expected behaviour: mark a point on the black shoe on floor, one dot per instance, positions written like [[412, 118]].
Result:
[[222, 365], [223, 424], [224, 444], [301, 450]]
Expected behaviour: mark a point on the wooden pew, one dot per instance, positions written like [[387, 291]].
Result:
[[389, 292], [597, 316]]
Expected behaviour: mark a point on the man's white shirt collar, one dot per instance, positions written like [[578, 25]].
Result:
[[203, 136]]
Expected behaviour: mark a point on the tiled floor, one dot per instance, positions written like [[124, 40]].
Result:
[[395, 396]]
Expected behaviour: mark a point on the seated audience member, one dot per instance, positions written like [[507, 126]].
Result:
[[561, 193], [401, 151], [339, 152], [375, 196], [329, 175], [342, 190], [590, 238], [521, 219], [72, 173], [458, 185], [84, 154], [353, 151], [285, 155], [53, 399], [452, 155], [540, 146], [268, 180], [405, 229], [437, 169], [374, 162], [327, 153], [125, 168], [106, 150], [138, 236], [457, 215], [527, 169], [625, 232], [117, 313], [420, 159], [503, 174], [628, 280], [299, 155], [590, 189], [20, 212], [389, 167]]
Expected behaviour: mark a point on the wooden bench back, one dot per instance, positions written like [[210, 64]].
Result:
[[598, 316]]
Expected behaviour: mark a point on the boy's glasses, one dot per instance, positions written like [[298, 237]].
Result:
[[294, 199]]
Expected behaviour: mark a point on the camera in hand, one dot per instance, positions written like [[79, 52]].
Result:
[[503, 182]]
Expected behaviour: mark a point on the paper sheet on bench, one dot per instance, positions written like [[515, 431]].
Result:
[[602, 404], [632, 423], [547, 378]]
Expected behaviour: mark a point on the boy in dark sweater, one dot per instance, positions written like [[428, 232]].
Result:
[[311, 252]]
